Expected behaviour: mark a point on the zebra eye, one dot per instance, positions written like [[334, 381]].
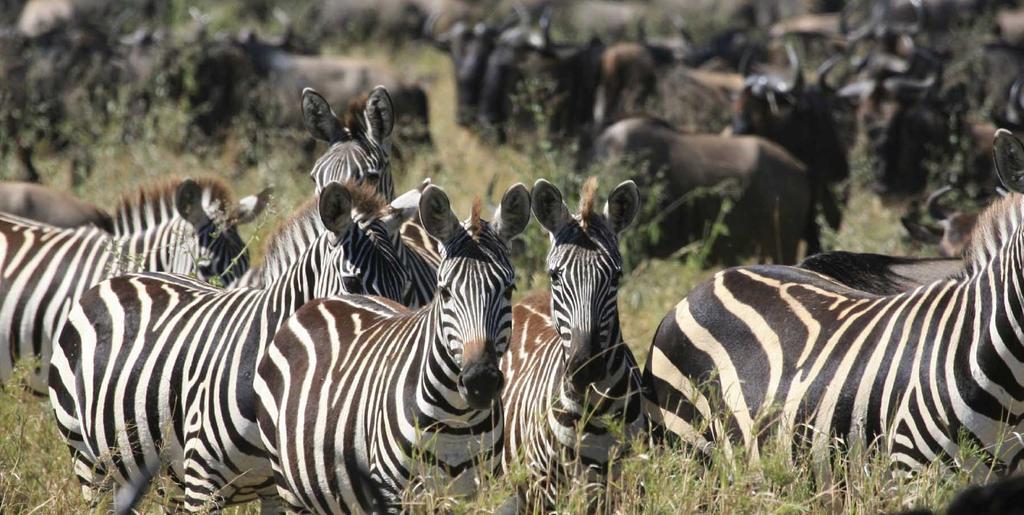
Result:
[[446, 293], [555, 275], [508, 291]]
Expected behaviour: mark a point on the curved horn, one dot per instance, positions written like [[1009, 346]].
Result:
[[1018, 95], [933, 206], [746, 62], [823, 71], [897, 84], [797, 84], [1013, 102]]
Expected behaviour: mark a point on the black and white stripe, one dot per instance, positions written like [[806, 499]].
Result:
[[568, 373], [45, 269], [359, 397], [359, 152], [155, 370], [920, 374]]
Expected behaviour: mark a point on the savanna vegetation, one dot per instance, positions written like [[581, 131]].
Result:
[[127, 148]]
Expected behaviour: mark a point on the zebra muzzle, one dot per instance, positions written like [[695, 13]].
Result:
[[584, 365], [480, 383]]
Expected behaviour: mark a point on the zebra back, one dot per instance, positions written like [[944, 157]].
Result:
[[183, 372], [403, 400], [918, 375], [568, 372]]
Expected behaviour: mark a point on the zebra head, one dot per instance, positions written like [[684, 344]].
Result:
[[221, 252], [359, 152], [585, 267], [475, 280], [362, 251]]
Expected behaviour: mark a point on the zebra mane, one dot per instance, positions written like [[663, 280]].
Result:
[[474, 229], [995, 226], [157, 200], [296, 232], [588, 197], [353, 120]]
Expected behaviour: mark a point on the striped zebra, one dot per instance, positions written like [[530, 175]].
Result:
[[360, 397], [360, 150], [155, 371], [45, 269], [567, 371], [919, 374]]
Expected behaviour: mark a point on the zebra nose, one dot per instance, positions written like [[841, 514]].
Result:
[[584, 365], [481, 383]]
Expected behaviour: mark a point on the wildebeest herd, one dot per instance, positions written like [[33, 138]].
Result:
[[376, 351]]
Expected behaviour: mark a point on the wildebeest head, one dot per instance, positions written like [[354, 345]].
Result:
[[953, 228], [469, 49], [906, 123], [768, 101]]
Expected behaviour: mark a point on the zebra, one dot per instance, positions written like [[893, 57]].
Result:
[[918, 374], [360, 150], [156, 370], [45, 268], [359, 397], [567, 371]]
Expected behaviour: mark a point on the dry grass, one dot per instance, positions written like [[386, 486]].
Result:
[[35, 471]]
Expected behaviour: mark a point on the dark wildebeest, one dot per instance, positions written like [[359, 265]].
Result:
[[768, 187], [341, 80], [493, 64], [799, 118], [952, 232], [47, 205], [56, 90]]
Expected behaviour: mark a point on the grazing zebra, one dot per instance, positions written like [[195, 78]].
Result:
[[920, 373], [45, 269], [359, 396], [156, 370], [359, 151], [567, 371]]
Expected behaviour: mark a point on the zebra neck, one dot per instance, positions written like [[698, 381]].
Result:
[[998, 319], [165, 247], [603, 395], [307, 277]]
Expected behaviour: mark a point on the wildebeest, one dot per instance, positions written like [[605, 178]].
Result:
[[952, 232], [799, 118], [50, 206], [229, 66], [493, 64], [768, 186]]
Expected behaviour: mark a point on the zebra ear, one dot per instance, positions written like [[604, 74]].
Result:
[[1008, 153], [436, 214], [622, 206], [514, 212], [379, 114], [189, 202], [549, 208], [252, 206], [318, 117], [336, 208]]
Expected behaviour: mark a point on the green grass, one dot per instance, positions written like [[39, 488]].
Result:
[[35, 471]]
